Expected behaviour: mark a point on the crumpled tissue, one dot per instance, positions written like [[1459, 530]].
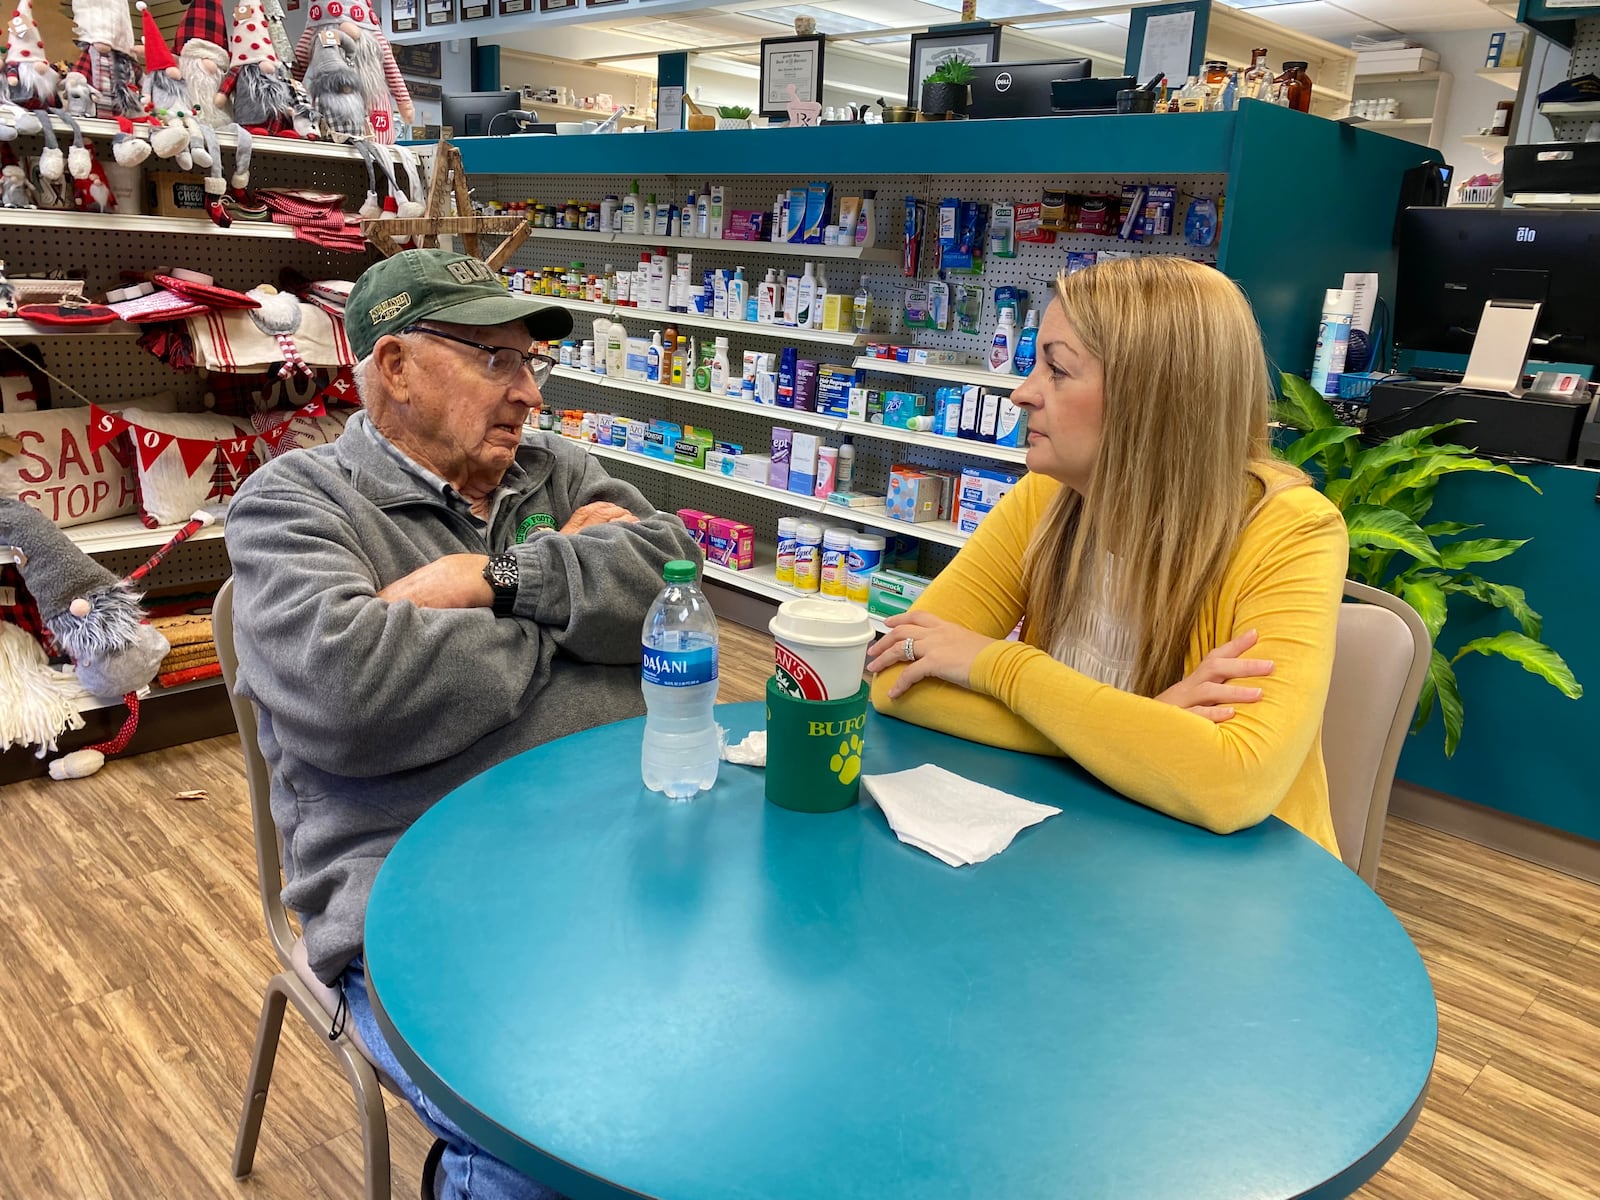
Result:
[[751, 752], [951, 817]]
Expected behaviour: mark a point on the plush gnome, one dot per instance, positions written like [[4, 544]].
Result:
[[29, 83], [166, 100], [263, 93], [381, 82], [333, 86], [78, 607], [105, 31]]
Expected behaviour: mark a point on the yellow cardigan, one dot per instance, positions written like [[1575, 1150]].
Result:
[[1284, 580]]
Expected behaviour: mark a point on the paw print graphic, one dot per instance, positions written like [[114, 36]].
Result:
[[847, 763]]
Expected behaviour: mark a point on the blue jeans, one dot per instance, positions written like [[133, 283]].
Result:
[[468, 1171]]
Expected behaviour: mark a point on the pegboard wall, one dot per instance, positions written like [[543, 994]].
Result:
[[116, 368], [1585, 61], [197, 564], [1033, 270]]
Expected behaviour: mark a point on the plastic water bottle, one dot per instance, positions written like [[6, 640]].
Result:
[[680, 753]]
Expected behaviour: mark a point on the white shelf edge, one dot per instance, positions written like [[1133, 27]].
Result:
[[1577, 108], [798, 250], [127, 533], [940, 373], [1386, 122], [1506, 77], [15, 327], [799, 416], [944, 532], [260, 143], [1486, 139], [695, 321], [1375, 77], [1555, 199], [84, 222]]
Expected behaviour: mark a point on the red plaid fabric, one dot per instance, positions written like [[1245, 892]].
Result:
[[24, 613], [204, 20]]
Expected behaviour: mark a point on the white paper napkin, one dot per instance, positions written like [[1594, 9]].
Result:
[[952, 818], [751, 752]]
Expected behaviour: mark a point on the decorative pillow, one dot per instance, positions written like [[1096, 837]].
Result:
[[303, 432], [169, 492], [58, 474]]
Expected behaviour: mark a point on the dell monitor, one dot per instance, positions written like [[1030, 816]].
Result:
[[472, 114], [1021, 89], [1454, 260]]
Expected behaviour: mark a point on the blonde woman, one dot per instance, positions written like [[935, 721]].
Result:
[[1153, 544]]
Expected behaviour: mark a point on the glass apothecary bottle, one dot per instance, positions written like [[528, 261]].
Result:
[[1296, 86]]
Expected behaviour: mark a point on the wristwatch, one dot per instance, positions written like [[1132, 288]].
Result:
[[502, 575]]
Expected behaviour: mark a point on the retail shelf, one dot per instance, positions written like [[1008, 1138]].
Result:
[[1387, 122], [943, 374], [693, 321], [1577, 108], [1487, 139], [1362, 77], [1506, 77], [260, 143], [13, 327], [127, 533], [762, 580], [944, 532], [799, 416], [83, 222], [86, 704], [798, 250]]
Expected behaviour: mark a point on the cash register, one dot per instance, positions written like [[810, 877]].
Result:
[[1511, 289]]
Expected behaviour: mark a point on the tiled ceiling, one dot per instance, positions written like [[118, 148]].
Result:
[[1103, 35]]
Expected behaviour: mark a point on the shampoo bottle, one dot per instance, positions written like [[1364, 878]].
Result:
[[1004, 346], [1027, 345], [736, 295], [630, 209], [806, 303], [652, 359], [767, 299]]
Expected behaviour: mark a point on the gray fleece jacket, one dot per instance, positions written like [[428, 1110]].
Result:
[[371, 711]]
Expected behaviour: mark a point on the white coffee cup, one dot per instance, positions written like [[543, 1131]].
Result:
[[820, 647]]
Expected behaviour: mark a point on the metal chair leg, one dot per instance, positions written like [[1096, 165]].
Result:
[[255, 1092], [374, 1120]]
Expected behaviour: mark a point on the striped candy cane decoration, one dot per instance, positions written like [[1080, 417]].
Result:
[[191, 527]]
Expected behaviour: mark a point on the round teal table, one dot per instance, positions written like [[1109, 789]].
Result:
[[724, 1000]]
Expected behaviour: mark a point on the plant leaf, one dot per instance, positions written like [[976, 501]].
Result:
[[1533, 657], [1444, 682], [1302, 407], [1372, 525], [1318, 440], [1447, 528], [1453, 555], [1337, 490], [1502, 595], [1425, 594], [1431, 465], [1415, 437]]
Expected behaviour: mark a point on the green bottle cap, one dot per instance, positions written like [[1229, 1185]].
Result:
[[680, 570]]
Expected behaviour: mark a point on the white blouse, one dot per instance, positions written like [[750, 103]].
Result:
[[1098, 641]]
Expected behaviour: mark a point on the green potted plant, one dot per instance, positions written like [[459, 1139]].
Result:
[[946, 92], [1386, 494], [733, 116]]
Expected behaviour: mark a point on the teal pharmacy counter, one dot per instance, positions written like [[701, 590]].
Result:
[[1526, 750]]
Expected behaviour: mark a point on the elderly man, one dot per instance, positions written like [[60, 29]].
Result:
[[432, 593]]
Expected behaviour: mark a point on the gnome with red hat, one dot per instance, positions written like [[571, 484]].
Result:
[[262, 90], [382, 85], [202, 60], [166, 101]]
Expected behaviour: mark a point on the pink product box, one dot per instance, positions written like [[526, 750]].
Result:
[[730, 544], [747, 225], [697, 523]]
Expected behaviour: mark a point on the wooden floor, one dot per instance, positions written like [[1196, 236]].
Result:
[[132, 957]]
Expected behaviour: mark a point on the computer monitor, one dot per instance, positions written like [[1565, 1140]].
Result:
[[469, 114], [1454, 260], [1021, 89]]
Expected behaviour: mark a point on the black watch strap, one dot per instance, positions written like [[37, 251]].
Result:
[[502, 575]]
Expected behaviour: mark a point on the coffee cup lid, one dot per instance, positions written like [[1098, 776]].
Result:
[[822, 623]]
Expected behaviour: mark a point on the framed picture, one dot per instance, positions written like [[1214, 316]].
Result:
[[970, 44], [476, 10], [403, 16], [601, 3], [422, 59], [789, 62], [440, 12], [548, 5], [509, 8]]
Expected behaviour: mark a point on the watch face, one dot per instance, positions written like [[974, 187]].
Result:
[[502, 571]]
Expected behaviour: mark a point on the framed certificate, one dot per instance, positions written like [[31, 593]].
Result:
[[791, 69], [476, 10], [403, 16], [440, 12], [510, 8]]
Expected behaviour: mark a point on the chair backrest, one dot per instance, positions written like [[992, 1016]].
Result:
[[269, 858], [1379, 664]]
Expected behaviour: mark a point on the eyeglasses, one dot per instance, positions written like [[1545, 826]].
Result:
[[504, 362]]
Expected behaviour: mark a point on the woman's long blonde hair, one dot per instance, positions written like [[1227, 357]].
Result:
[[1184, 455]]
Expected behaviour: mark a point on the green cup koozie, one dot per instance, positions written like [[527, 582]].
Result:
[[814, 750]]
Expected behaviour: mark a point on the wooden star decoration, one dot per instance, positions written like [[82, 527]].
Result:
[[447, 188]]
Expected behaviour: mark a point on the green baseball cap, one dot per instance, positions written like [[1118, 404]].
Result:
[[437, 285]]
